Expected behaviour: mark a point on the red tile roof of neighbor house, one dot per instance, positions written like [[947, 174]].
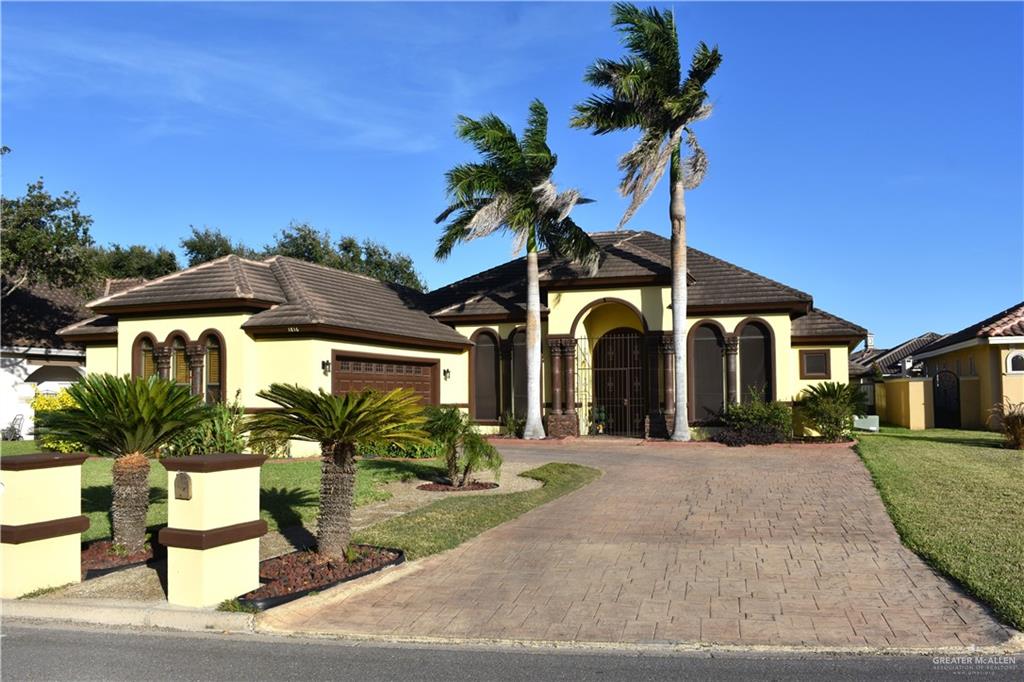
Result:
[[286, 293], [1009, 322], [33, 314]]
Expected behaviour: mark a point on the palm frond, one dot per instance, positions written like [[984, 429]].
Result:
[[468, 181], [643, 166], [535, 138], [491, 137], [564, 238], [695, 166], [651, 35], [605, 114]]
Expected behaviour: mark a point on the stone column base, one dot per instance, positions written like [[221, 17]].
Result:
[[660, 424], [563, 425]]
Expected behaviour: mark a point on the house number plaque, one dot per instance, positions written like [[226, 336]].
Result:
[[182, 486]]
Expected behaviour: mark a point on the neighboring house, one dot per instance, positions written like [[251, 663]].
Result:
[[871, 363], [33, 356], [235, 326], [976, 368]]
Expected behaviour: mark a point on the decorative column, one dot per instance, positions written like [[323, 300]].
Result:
[[569, 351], [505, 366], [162, 355], [196, 354], [732, 347], [555, 350], [668, 359]]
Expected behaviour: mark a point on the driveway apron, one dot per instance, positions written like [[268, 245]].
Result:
[[695, 543]]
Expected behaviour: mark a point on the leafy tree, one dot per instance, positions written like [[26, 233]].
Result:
[[648, 93], [339, 423], [376, 260], [128, 419], [45, 240], [511, 190], [464, 450], [305, 242], [208, 244], [134, 261]]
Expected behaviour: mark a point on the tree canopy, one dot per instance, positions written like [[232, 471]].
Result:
[[118, 261], [208, 244]]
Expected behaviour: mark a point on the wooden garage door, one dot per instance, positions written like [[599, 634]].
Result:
[[385, 373]]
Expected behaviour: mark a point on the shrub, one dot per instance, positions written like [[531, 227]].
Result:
[[512, 426], [50, 402], [756, 422], [1008, 417], [829, 407], [429, 450], [224, 430], [273, 445], [463, 449]]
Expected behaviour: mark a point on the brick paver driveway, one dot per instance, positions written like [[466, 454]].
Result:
[[697, 543]]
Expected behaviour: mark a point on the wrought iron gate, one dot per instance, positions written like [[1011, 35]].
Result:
[[946, 392], [619, 404]]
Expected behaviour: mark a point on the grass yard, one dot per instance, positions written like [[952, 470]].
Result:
[[957, 499], [9, 448], [449, 522], [289, 490]]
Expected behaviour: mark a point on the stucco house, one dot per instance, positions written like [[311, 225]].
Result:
[[236, 325], [976, 368]]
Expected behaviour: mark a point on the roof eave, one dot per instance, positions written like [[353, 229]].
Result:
[[851, 340], [220, 305], [338, 332]]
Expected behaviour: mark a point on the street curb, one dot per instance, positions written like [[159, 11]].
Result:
[[133, 614]]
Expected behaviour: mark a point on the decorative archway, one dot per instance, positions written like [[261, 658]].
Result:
[[706, 387], [619, 383], [605, 301], [485, 377], [756, 359]]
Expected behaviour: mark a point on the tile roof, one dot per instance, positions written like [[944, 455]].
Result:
[[890, 360], [624, 254], [818, 322], [33, 316], [1009, 322]]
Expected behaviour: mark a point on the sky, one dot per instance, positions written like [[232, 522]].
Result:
[[871, 155]]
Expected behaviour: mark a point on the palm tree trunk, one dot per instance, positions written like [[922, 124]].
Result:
[[677, 214], [131, 502], [337, 497], [534, 426]]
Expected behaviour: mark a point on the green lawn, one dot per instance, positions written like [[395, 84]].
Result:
[[957, 499], [289, 490], [449, 522]]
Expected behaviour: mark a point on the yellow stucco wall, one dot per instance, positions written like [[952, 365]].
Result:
[[204, 578], [1012, 382], [102, 359], [839, 366], [985, 380], [34, 496], [219, 498], [907, 403]]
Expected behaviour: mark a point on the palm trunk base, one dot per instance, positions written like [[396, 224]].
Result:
[[131, 502], [337, 497]]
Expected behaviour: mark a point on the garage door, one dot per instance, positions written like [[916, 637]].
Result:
[[385, 373]]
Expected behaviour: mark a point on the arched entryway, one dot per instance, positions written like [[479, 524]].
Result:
[[619, 381], [707, 372]]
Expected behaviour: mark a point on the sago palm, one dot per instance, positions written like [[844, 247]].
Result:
[[464, 449], [339, 423], [511, 189], [129, 420], [647, 92]]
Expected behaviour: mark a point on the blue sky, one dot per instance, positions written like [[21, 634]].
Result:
[[869, 154]]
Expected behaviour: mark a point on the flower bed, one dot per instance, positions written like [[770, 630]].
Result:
[[445, 488], [98, 558]]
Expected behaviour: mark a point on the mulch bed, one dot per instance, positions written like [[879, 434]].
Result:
[[98, 558], [445, 488], [294, 575]]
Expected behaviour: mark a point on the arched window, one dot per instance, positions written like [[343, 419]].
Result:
[[1015, 362], [179, 362], [485, 360], [214, 368], [755, 361], [143, 357], [707, 373], [518, 373]]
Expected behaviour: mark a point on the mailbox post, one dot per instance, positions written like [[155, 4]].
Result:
[[41, 510], [213, 527]]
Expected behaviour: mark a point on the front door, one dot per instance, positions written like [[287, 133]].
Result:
[[619, 405]]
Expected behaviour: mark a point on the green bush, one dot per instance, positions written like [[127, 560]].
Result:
[[429, 450], [512, 426], [829, 407], [275, 446], [464, 449], [223, 430], [1008, 417], [51, 402], [756, 421]]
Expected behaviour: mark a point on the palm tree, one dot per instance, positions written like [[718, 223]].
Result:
[[128, 419], [464, 449], [647, 92], [511, 190], [339, 423]]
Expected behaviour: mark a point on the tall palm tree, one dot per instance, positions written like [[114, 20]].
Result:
[[647, 92], [339, 423], [511, 190], [127, 419]]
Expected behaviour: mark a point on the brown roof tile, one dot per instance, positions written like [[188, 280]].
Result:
[[820, 323], [1009, 322]]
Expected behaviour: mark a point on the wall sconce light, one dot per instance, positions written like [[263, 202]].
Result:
[[326, 367], [447, 374]]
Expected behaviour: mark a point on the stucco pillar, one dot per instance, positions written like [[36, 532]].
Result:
[[569, 351], [732, 347], [505, 391], [555, 349], [668, 363], [162, 355], [196, 353]]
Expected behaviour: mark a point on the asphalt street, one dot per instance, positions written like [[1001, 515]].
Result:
[[34, 652]]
